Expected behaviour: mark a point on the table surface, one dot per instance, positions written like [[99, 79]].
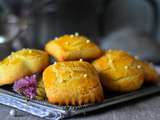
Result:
[[147, 108]]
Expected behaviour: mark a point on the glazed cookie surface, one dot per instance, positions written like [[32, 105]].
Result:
[[72, 47], [72, 83], [35, 60], [150, 73], [22, 63], [118, 71]]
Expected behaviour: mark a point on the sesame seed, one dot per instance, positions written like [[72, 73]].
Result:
[[76, 34], [110, 61], [12, 53], [126, 67], [81, 60], [151, 65], [136, 57], [60, 81], [30, 51], [56, 38], [88, 41], [71, 36], [85, 75], [139, 66]]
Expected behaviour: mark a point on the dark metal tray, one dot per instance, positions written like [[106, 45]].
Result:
[[55, 112]]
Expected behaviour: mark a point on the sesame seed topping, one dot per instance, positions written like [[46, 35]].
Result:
[[9, 57], [71, 36], [136, 57], [61, 80], [109, 50], [12, 53], [30, 51], [85, 75], [139, 66], [88, 41], [126, 67], [110, 61], [81, 60], [76, 34], [151, 65], [56, 38]]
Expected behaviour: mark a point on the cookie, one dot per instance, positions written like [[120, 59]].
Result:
[[72, 47], [72, 83], [118, 72]]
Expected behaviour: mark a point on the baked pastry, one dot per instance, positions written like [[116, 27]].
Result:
[[72, 83], [35, 60], [150, 74], [118, 72], [72, 47], [22, 63]]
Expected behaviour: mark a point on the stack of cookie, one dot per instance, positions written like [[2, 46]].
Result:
[[81, 71]]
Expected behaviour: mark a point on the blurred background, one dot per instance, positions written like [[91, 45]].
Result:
[[132, 25]]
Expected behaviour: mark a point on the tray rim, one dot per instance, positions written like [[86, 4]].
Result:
[[64, 112]]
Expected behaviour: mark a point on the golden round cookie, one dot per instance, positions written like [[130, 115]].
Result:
[[72, 83], [11, 70], [35, 60], [150, 74], [22, 63], [118, 71], [72, 47]]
